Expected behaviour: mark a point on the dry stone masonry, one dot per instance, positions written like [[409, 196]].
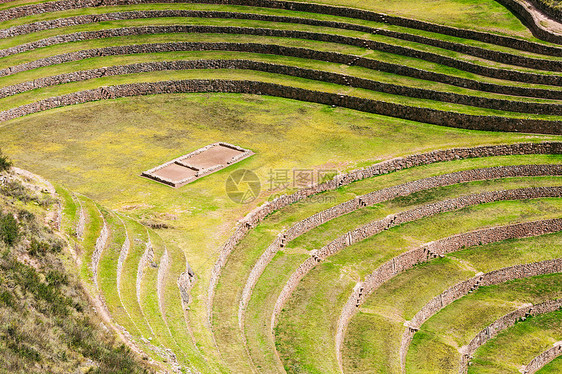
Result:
[[253, 48], [428, 251], [463, 288], [318, 75], [257, 215], [501, 324], [498, 56], [256, 48], [544, 358], [512, 75], [376, 197], [378, 226], [56, 6], [420, 114], [101, 242], [186, 171]]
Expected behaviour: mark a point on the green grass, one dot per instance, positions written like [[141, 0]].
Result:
[[93, 227], [309, 316], [394, 301], [69, 211], [243, 258], [27, 38], [177, 319], [458, 323], [149, 301], [98, 62], [99, 150], [231, 74], [322, 46], [323, 234], [107, 273], [517, 345], [138, 238], [46, 317], [252, 10], [488, 15]]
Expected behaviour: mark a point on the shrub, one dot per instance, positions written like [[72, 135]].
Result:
[[5, 164], [8, 229]]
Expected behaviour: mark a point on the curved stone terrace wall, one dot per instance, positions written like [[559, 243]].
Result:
[[283, 51], [402, 262], [511, 42], [317, 75], [489, 54], [429, 251], [375, 227], [552, 12], [501, 324], [418, 114], [253, 218], [544, 358], [537, 29], [463, 288], [498, 73]]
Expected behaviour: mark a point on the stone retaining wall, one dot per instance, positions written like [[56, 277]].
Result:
[[375, 227], [305, 53], [410, 258], [163, 268], [143, 263], [419, 114], [544, 358], [81, 222], [490, 103], [463, 288], [123, 253], [488, 71], [503, 57], [253, 218], [501, 324], [511, 42], [428, 251], [101, 242], [185, 282]]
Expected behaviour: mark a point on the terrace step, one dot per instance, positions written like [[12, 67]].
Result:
[[435, 249], [108, 273], [127, 278], [462, 289], [149, 275], [93, 222]]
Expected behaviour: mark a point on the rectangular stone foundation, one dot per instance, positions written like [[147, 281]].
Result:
[[197, 164]]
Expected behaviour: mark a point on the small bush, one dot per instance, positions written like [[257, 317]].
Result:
[[5, 164], [7, 299], [8, 229]]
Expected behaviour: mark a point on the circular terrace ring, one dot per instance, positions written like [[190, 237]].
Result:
[[243, 186]]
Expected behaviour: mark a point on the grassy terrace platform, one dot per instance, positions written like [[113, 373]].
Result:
[[98, 149], [307, 318], [498, 19], [21, 99], [516, 345], [391, 305], [440, 337], [256, 242]]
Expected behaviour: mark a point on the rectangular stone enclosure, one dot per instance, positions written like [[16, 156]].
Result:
[[197, 164]]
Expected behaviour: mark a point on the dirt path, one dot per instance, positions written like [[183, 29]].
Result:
[[544, 21]]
